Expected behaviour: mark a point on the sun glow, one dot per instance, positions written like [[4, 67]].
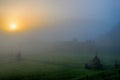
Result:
[[13, 26]]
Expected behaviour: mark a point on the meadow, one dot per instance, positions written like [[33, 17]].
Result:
[[54, 66]]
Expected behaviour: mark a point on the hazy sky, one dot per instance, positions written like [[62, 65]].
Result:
[[85, 19], [93, 9]]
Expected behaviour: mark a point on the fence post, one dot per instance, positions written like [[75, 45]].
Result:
[[87, 77], [103, 76], [119, 71]]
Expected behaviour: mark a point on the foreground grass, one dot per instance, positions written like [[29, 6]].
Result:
[[27, 70], [51, 67]]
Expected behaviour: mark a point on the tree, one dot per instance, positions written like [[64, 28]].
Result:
[[116, 65], [96, 63], [19, 56]]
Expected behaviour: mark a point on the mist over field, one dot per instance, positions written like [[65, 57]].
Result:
[[59, 40]]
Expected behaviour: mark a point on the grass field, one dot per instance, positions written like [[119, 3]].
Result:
[[49, 67]]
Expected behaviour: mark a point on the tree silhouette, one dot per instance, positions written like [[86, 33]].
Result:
[[96, 63], [116, 65], [19, 56]]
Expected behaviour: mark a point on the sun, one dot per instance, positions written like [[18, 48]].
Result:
[[13, 26]]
